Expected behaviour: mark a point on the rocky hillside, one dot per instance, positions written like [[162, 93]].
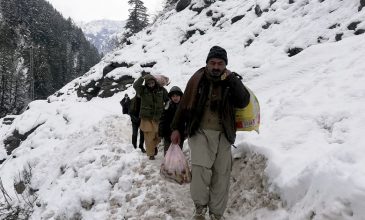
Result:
[[256, 33]]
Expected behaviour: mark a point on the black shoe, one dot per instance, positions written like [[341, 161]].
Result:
[[143, 150], [152, 157], [199, 213], [135, 147], [214, 216]]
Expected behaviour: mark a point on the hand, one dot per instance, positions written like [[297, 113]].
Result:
[[226, 74], [146, 75], [175, 137]]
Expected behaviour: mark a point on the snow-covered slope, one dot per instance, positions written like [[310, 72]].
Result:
[[307, 71], [100, 32]]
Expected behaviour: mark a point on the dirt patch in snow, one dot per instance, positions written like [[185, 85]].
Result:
[[249, 189]]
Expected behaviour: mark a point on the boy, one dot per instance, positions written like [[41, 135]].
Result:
[[168, 114]]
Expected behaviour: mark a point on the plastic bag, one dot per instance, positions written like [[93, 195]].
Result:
[[248, 118], [175, 167], [161, 79]]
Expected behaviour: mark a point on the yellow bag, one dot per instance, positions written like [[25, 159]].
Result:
[[248, 118]]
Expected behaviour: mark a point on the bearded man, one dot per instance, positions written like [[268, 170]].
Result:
[[207, 115]]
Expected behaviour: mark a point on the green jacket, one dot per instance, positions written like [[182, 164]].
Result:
[[152, 101]]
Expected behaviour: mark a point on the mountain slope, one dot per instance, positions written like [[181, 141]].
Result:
[[306, 163], [40, 52], [256, 34], [101, 32]]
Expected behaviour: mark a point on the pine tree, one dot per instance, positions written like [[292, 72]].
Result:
[[60, 53], [138, 17]]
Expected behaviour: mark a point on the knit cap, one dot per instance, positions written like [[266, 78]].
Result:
[[217, 52]]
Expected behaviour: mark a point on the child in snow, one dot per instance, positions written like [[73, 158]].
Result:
[[167, 116]]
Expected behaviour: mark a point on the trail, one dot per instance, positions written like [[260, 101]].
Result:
[[97, 174], [151, 197]]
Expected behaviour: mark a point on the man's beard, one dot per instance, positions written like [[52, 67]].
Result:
[[216, 73], [151, 87]]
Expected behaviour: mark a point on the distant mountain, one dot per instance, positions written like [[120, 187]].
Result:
[[100, 33]]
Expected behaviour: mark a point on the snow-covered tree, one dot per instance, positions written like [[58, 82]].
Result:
[[60, 53], [138, 17]]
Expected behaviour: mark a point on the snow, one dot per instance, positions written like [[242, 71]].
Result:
[[306, 162], [100, 32], [97, 26]]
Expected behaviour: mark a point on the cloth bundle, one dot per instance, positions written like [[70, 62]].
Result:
[[161, 79]]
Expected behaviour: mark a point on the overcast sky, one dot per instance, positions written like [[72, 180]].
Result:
[[87, 10]]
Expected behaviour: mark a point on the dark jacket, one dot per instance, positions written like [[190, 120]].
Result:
[[126, 101], [152, 100], [164, 128], [134, 109], [190, 111]]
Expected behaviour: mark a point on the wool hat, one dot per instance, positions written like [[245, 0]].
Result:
[[217, 52]]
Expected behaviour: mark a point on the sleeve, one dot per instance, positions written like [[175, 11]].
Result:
[[137, 85], [165, 95], [179, 119], [239, 94], [162, 124]]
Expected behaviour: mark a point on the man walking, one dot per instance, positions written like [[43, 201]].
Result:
[[206, 112], [136, 121], [126, 101], [153, 98]]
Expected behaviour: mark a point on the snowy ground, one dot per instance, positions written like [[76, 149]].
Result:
[[306, 163], [311, 136], [93, 171]]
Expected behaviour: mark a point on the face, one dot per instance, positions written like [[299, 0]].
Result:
[[175, 98], [151, 83], [216, 66]]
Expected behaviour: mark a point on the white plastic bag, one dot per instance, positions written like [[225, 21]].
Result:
[[175, 166]]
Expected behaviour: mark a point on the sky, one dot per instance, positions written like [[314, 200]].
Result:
[[307, 162], [88, 10]]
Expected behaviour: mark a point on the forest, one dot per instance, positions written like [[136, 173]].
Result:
[[40, 51]]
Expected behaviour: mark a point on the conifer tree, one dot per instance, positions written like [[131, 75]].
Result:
[[138, 17], [60, 53]]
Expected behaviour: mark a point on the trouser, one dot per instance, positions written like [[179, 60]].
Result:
[[151, 138], [166, 145], [211, 169], [135, 128]]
